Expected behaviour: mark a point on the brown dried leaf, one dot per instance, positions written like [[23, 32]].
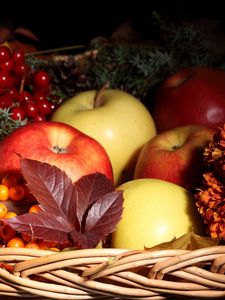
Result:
[[189, 241]]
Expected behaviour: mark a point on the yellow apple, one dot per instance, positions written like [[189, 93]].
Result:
[[155, 211], [120, 122]]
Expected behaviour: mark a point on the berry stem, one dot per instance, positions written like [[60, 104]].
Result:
[[22, 83]]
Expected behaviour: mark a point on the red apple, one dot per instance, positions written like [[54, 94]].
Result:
[[175, 155], [194, 95], [58, 144]]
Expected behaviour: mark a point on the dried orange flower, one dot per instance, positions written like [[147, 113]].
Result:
[[214, 154], [211, 205], [211, 196]]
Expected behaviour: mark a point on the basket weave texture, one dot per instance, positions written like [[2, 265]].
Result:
[[113, 274]]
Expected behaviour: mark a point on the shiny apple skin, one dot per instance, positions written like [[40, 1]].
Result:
[[155, 211], [194, 95], [81, 154], [121, 124], [175, 155]]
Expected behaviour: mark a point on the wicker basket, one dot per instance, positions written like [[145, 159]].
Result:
[[112, 274]]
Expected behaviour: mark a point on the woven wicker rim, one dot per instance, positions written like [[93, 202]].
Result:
[[113, 273]]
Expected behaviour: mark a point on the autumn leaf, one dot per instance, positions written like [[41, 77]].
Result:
[[80, 214], [188, 241]]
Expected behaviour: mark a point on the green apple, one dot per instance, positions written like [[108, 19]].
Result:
[[155, 211], [119, 122]]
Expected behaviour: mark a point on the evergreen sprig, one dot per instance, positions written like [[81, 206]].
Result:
[[130, 69], [135, 68], [7, 124]]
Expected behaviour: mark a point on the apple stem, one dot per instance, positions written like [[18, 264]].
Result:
[[98, 97]]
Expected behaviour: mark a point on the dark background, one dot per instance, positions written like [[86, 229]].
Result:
[[72, 22]]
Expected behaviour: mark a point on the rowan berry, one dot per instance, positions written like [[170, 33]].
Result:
[[26, 237], [5, 54], [32, 245], [16, 242], [41, 80], [4, 192], [9, 180], [10, 214], [44, 245], [7, 232], [34, 208], [16, 192], [3, 210]]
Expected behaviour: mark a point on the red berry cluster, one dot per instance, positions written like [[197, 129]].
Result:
[[25, 92]]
